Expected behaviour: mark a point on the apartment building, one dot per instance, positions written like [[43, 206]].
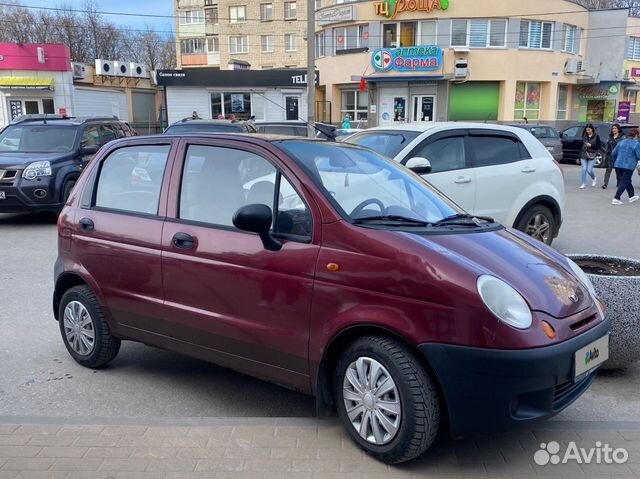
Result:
[[241, 34]]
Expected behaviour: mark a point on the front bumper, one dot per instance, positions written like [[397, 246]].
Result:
[[491, 390], [29, 196]]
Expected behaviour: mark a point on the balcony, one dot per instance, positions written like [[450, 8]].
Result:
[[193, 59], [212, 28]]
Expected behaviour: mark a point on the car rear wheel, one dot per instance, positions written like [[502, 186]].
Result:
[[386, 399], [539, 223], [84, 329]]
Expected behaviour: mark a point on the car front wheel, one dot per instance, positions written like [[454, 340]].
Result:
[[386, 399], [539, 223]]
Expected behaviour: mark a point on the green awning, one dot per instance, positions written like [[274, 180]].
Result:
[[27, 83]]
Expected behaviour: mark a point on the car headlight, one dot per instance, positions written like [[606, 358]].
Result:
[[36, 169], [584, 279], [504, 302]]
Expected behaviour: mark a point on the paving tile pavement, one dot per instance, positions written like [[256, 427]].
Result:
[[292, 448]]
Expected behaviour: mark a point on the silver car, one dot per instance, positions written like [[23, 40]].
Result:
[[548, 136]]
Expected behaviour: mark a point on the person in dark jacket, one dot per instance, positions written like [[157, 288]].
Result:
[[627, 155], [591, 146], [615, 137]]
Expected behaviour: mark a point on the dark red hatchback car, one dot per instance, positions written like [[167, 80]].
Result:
[[328, 269]]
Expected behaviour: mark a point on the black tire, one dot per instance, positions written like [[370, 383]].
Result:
[[66, 190], [526, 224], [418, 395], [105, 347]]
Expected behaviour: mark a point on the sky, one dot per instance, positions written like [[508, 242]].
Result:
[[154, 7]]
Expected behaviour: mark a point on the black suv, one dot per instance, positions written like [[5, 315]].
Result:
[[42, 156], [572, 140]]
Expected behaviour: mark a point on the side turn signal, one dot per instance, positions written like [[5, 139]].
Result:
[[548, 330]]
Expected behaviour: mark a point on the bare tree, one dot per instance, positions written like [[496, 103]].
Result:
[[632, 5]]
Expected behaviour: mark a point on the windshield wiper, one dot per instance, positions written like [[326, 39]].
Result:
[[464, 219], [392, 219]]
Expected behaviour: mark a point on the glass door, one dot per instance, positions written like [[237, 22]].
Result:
[[424, 108], [292, 106]]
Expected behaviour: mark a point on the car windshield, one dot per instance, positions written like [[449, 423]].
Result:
[[37, 139], [387, 143], [204, 128], [363, 184]]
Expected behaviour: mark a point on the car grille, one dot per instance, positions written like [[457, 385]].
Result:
[[8, 176], [567, 392], [583, 323]]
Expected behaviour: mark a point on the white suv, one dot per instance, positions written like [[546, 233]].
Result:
[[489, 170]]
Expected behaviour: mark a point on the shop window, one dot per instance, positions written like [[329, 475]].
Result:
[[527, 101], [266, 12], [321, 48], [563, 101], [31, 107], [192, 46], [231, 105], [290, 10], [351, 37], [569, 43], [238, 44], [535, 34], [211, 15], [401, 34], [266, 42], [428, 31], [47, 106], [355, 104], [191, 17], [478, 33], [633, 49], [290, 42], [238, 14]]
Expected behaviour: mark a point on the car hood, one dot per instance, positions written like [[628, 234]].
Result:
[[542, 276], [9, 159]]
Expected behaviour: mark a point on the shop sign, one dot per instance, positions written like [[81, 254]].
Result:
[[391, 8], [598, 92], [624, 111], [407, 59], [327, 16], [635, 72]]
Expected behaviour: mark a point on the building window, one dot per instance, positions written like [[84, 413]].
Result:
[[290, 12], [266, 43], [527, 101], [535, 34], [320, 45], [351, 37], [428, 34], [633, 49], [213, 45], [238, 44], [192, 17], [290, 42], [208, 3], [211, 15], [355, 104], [266, 12], [223, 105], [318, 4], [563, 101], [569, 35], [478, 33], [401, 34], [238, 14], [192, 46]]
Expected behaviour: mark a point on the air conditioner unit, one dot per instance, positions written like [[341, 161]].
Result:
[[105, 67], [580, 66], [462, 68], [122, 69], [78, 71], [138, 70], [571, 66]]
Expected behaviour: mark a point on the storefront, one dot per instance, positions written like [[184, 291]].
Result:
[[271, 95], [599, 102]]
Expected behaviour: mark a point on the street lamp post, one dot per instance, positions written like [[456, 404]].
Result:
[[311, 66]]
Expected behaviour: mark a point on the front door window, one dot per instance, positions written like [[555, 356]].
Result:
[[423, 108]]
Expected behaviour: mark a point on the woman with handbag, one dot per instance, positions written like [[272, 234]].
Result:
[[615, 137], [591, 146]]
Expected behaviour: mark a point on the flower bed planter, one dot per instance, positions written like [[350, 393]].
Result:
[[617, 282]]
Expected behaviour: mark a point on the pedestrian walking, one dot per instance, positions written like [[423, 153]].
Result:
[[195, 116], [591, 146], [615, 137], [346, 123], [626, 155]]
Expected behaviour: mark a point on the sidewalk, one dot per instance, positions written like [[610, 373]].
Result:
[[260, 448]]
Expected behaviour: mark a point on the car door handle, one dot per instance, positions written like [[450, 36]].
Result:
[[528, 169], [87, 224], [184, 241], [461, 180]]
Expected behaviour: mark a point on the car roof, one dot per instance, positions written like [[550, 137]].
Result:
[[444, 125]]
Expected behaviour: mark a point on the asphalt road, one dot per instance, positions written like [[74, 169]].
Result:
[[38, 378]]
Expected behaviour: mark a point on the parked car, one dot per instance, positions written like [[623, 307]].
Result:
[[209, 126], [489, 170], [42, 156], [329, 269], [572, 140], [288, 128], [547, 135]]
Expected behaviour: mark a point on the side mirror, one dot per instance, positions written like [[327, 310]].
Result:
[[257, 219], [89, 150], [419, 165]]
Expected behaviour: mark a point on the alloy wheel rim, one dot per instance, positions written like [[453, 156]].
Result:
[[372, 401], [539, 227], [78, 328]]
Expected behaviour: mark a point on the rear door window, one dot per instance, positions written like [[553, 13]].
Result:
[[489, 150], [91, 137], [130, 179], [108, 133]]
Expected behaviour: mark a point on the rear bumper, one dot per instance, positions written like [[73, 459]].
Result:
[[488, 390]]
